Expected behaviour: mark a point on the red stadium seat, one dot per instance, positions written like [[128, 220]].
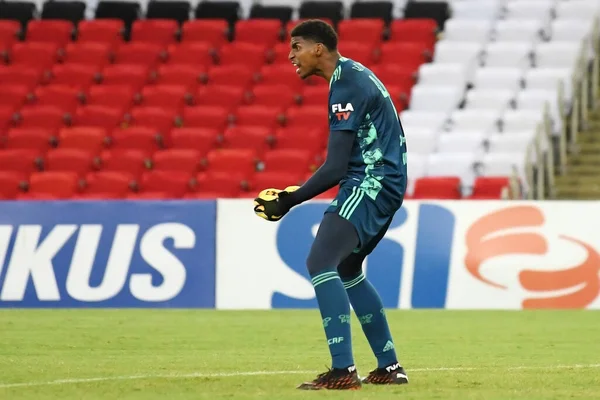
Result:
[[159, 31], [77, 76], [6, 116], [34, 54], [359, 51], [242, 161], [315, 96], [407, 55], [248, 137], [99, 116], [126, 161], [194, 54], [212, 117], [313, 140], [257, 116], [10, 184], [437, 188], [489, 187], [13, 96], [52, 31], [228, 97], [49, 117], [19, 75], [89, 139], [256, 30], [232, 75], [168, 97], [291, 161], [21, 160], [161, 120], [307, 116], [279, 96], [113, 96], [280, 55], [183, 160], [57, 184], [148, 196], [281, 74], [219, 184], [274, 179], [133, 76], [185, 75], [113, 184], [38, 140], [414, 30], [108, 31], [199, 139], [140, 53], [88, 53], [72, 160], [214, 31], [174, 184], [365, 30], [62, 96], [9, 31], [143, 138], [250, 55], [395, 75]]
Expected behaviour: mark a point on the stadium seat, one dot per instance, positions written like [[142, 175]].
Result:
[[479, 10], [98, 116], [292, 161], [143, 138], [414, 30], [20, 11], [408, 55], [114, 9], [277, 96], [167, 97], [510, 141], [462, 141], [465, 53], [182, 160], [361, 52], [333, 11], [134, 76], [167, 9], [19, 75], [65, 98], [20, 160], [315, 96], [34, 54], [71, 160], [49, 117], [435, 10], [307, 117], [6, 116], [281, 74], [173, 184], [281, 12], [498, 78], [88, 53], [455, 164], [13, 96], [140, 53], [519, 120], [242, 161], [77, 76], [474, 120], [274, 179], [158, 31], [57, 32], [582, 10], [264, 116], [107, 184], [503, 164], [489, 187], [382, 10], [107, 31], [52, 185], [72, 11], [557, 54], [9, 32], [435, 98], [228, 97], [264, 31], [10, 184], [89, 139], [227, 10], [423, 141], [363, 30], [194, 54], [258, 138], [437, 188], [436, 74], [180, 74], [213, 31], [212, 117], [199, 139], [234, 75], [473, 31], [111, 95], [249, 55], [219, 184], [569, 30], [313, 140], [496, 99], [38, 140], [523, 31], [508, 55], [126, 161]]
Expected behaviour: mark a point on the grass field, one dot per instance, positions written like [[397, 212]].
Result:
[[176, 354]]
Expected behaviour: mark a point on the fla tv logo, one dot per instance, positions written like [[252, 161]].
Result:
[[342, 112], [437, 254]]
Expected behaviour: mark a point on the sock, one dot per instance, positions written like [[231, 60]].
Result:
[[335, 311], [369, 310]]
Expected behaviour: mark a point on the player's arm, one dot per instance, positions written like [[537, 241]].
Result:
[[330, 173]]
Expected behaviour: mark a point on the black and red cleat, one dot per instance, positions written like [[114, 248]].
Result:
[[391, 375], [335, 379]]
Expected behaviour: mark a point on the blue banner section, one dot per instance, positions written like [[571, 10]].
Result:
[[107, 254]]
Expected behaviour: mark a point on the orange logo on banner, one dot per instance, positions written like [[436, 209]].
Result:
[[485, 240]]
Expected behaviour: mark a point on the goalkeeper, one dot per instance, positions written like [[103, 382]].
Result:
[[367, 157]]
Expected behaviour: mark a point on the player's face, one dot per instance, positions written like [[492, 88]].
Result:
[[305, 56]]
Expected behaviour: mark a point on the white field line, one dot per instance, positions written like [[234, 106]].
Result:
[[264, 373]]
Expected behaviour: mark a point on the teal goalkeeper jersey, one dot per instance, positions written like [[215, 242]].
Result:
[[359, 102]]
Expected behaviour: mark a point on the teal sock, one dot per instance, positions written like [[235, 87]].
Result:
[[371, 314], [335, 311]]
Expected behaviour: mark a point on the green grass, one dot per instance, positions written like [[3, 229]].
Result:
[[495, 355]]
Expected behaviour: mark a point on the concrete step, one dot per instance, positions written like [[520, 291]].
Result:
[[589, 159], [583, 170], [577, 180]]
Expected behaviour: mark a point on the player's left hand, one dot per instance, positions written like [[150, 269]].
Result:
[[271, 204]]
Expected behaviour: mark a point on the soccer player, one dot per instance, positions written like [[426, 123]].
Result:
[[366, 156]]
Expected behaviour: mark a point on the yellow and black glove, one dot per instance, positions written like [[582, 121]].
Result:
[[271, 205]]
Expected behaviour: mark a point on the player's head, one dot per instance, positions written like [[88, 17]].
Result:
[[312, 43]]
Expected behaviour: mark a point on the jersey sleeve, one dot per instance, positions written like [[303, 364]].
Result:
[[347, 106]]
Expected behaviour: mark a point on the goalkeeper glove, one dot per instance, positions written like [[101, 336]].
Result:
[[271, 205]]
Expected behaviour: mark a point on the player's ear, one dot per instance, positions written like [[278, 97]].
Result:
[[318, 49]]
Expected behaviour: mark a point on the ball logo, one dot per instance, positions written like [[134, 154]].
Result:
[[512, 231]]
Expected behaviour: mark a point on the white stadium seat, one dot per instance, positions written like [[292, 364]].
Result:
[[498, 78], [518, 120], [495, 99], [465, 30], [433, 120], [474, 121], [457, 142], [508, 54], [478, 9], [578, 9], [530, 9], [528, 31], [442, 74], [452, 164], [536, 100], [557, 55], [570, 30], [502, 164], [449, 52], [549, 78], [435, 98], [501, 143], [422, 140]]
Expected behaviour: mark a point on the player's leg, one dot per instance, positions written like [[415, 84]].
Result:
[[369, 309], [335, 240]]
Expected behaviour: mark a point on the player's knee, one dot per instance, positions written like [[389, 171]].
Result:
[[351, 267]]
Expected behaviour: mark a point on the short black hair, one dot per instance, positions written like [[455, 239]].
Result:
[[318, 31]]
